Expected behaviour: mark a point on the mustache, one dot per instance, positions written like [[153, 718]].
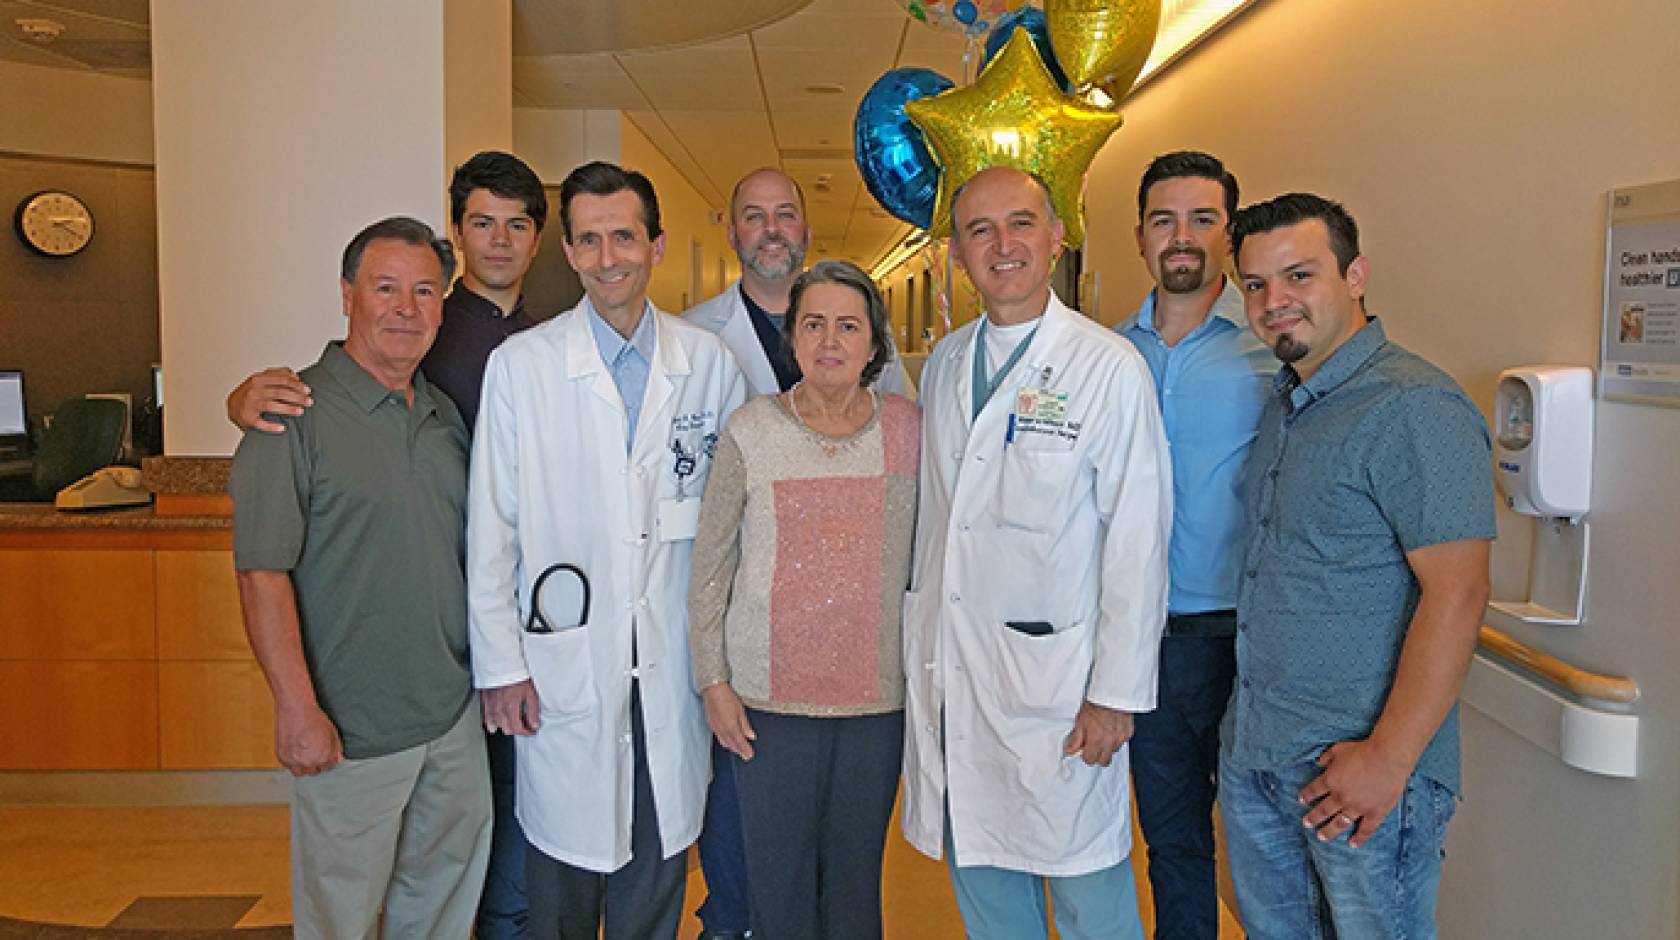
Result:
[[1190, 250]]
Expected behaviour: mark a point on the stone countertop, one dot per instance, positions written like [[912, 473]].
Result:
[[187, 475], [16, 516]]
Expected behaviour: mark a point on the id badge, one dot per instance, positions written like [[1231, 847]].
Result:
[[678, 519], [1041, 405]]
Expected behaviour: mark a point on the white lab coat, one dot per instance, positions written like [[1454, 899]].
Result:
[[726, 315], [1065, 526], [552, 482]]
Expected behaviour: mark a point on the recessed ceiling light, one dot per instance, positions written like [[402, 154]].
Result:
[[826, 88], [42, 31]]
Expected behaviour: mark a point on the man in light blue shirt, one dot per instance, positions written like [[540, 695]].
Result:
[[1211, 376]]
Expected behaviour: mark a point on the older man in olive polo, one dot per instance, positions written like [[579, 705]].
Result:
[[349, 540]]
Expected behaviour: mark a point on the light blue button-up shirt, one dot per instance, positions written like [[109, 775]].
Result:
[[627, 361], [1211, 388]]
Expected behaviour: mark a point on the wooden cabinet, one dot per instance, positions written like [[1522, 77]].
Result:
[[125, 651], [74, 605], [214, 715], [59, 715]]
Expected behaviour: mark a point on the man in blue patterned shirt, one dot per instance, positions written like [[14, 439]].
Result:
[[1371, 510]]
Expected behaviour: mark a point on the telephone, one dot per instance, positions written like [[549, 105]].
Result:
[[112, 486]]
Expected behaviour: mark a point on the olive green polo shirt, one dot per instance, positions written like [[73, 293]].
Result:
[[363, 501]]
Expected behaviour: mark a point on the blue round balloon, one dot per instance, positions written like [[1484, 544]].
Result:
[[1032, 20], [891, 154], [965, 12]]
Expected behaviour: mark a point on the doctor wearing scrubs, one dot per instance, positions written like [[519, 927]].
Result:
[[1039, 588]]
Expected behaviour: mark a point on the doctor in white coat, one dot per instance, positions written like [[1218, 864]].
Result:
[[592, 449], [768, 230], [1039, 589]]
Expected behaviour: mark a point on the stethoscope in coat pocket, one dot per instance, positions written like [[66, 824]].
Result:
[[561, 590]]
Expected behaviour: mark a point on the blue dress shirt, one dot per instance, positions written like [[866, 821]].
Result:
[[627, 361], [1376, 455], [1211, 387]]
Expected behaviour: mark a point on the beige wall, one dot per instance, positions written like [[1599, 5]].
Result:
[[686, 217], [477, 78], [255, 203], [555, 141], [1475, 144], [71, 113]]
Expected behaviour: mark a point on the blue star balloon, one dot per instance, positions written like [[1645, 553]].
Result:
[[1033, 21], [891, 155]]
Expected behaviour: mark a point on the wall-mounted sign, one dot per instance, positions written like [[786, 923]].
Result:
[[1639, 357]]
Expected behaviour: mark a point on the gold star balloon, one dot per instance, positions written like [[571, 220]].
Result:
[[1013, 115]]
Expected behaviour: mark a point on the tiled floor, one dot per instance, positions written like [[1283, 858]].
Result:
[[146, 868]]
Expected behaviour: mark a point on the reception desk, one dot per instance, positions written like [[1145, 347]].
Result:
[[121, 645]]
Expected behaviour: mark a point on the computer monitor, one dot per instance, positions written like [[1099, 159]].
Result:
[[14, 417]]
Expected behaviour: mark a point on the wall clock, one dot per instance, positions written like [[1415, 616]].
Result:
[[54, 223]]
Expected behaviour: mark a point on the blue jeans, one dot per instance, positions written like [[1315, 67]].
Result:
[[1175, 759], [1291, 886], [723, 855], [502, 911]]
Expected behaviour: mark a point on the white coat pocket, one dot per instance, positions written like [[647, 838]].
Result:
[[561, 671], [1030, 487], [1043, 676]]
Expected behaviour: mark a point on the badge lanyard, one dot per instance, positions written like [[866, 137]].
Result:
[[984, 388]]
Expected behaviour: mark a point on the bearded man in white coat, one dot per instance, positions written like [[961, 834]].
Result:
[[1039, 586], [770, 235], [593, 446]]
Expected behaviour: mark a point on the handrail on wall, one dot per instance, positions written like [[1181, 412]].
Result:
[[1578, 681]]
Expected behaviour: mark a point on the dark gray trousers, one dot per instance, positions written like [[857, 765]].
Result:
[[641, 901], [816, 800]]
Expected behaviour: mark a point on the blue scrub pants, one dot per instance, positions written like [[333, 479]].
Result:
[[1000, 904]]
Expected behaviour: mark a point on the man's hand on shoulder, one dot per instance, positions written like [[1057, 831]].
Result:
[[1360, 786], [306, 741], [1097, 733], [276, 390], [511, 709]]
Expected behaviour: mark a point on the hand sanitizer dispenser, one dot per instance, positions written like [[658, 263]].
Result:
[[1543, 417], [1542, 452]]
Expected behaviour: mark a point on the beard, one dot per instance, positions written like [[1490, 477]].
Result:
[[1289, 349], [1183, 279], [774, 270]]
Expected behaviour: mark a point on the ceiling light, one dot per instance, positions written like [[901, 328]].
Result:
[[825, 88], [38, 30]]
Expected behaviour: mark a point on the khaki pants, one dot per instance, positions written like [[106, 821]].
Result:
[[409, 832]]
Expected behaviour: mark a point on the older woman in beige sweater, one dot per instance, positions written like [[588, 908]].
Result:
[[800, 565]]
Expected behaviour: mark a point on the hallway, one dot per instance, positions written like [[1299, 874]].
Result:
[[156, 871]]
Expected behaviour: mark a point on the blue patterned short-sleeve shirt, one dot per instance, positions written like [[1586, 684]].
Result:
[[1379, 453]]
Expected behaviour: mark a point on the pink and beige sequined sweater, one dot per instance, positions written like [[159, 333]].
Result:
[[801, 561]]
